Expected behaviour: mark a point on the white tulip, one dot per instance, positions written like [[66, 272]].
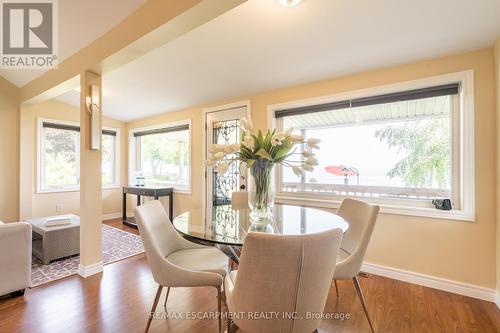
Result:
[[246, 124], [313, 143], [312, 161], [219, 156], [288, 132], [296, 138], [216, 148], [235, 147], [243, 123], [249, 142], [277, 139], [307, 167], [297, 171], [307, 154], [222, 168]]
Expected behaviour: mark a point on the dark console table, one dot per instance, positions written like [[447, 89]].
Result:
[[147, 191]]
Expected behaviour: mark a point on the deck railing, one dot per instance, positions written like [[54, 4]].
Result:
[[366, 191]]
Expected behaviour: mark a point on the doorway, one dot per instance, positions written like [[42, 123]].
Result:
[[223, 127]]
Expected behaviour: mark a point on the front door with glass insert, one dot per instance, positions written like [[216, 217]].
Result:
[[223, 127]]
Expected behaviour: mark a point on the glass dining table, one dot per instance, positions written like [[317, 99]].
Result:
[[226, 228]]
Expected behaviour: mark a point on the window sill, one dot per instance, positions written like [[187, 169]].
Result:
[[384, 208], [73, 190], [182, 191], [111, 187], [58, 190]]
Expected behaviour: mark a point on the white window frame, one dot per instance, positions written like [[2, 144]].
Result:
[[463, 188], [133, 152], [117, 183], [40, 157]]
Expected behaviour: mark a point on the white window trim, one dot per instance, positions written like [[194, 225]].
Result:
[[39, 169], [466, 150], [117, 183], [40, 158], [133, 151]]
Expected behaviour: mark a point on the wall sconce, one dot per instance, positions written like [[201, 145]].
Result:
[[93, 108]]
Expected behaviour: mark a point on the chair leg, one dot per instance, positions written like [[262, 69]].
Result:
[[336, 288], [166, 297], [219, 307], [362, 299], [155, 303]]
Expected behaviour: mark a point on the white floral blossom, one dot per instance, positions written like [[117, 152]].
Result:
[[216, 148], [246, 124], [307, 154], [277, 139], [312, 161], [219, 156], [209, 162], [297, 171], [313, 143], [235, 147], [295, 138], [307, 167], [248, 141], [222, 168], [288, 132]]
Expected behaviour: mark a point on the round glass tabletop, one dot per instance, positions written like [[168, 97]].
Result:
[[229, 227]]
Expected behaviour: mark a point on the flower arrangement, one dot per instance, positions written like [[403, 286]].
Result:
[[272, 146], [260, 152]]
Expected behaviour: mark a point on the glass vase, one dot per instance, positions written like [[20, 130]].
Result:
[[261, 191]]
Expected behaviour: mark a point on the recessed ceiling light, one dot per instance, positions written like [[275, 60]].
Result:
[[289, 3]]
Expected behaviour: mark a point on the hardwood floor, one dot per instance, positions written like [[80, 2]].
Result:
[[119, 300]]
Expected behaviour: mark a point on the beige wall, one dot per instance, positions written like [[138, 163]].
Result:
[[44, 204], [461, 251], [9, 151]]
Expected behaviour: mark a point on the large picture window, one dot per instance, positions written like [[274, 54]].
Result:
[[59, 156], [162, 156], [402, 148]]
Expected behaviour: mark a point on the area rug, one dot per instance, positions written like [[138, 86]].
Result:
[[116, 245]]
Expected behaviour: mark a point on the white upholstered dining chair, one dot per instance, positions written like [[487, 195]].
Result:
[[175, 261], [282, 274], [361, 217]]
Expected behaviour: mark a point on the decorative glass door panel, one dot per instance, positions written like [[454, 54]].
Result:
[[223, 127]]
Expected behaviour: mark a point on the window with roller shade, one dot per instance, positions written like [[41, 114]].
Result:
[[59, 156], [400, 148]]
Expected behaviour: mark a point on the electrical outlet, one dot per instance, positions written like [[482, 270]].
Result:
[[59, 207]]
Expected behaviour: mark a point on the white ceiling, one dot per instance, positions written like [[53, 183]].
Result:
[[80, 23], [261, 45]]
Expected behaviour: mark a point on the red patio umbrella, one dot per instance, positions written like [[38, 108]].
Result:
[[342, 170]]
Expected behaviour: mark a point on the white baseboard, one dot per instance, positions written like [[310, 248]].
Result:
[[86, 271], [497, 300], [451, 286]]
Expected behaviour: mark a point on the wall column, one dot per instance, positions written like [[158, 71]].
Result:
[[497, 79], [27, 164], [90, 185]]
